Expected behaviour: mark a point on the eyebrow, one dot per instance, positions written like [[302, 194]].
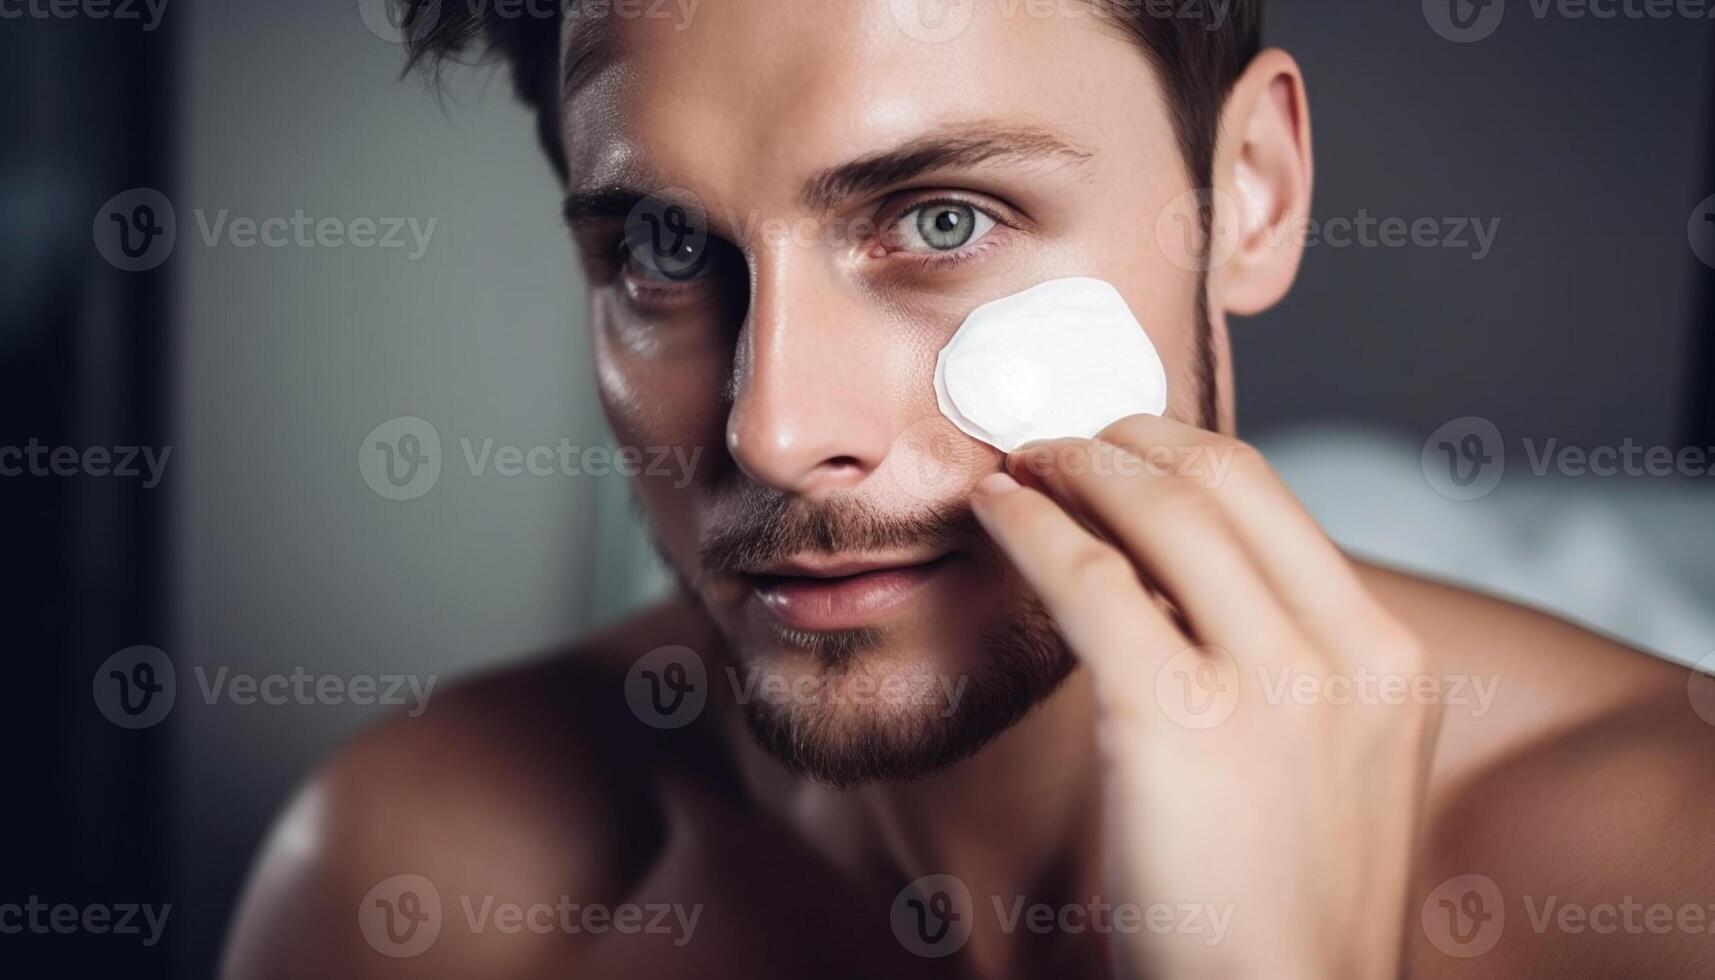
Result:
[[966, 146], [826, 190]]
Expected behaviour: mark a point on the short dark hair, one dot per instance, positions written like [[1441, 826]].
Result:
[[1198, 51]]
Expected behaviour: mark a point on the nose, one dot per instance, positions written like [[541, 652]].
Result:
[[816, 381]]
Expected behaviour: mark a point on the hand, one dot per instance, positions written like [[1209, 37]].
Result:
[[1183, 573]]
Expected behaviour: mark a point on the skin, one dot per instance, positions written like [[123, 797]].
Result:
[[1326, 827]]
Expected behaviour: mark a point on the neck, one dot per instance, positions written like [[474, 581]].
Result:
[[1012, 812], [1018, 823]]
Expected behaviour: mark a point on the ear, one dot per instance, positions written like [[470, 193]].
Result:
[[1263, 177]]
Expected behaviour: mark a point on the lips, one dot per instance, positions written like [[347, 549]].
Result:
[[840, 593]]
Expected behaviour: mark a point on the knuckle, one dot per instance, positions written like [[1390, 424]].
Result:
[[1037, 458], [1383, 643], [1399, 648], [1246, 462], [1056, 458], [1281, 639], [1133, 429], [1181, 502]]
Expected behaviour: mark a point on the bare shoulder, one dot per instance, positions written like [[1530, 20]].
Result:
[[525, 783], [1568, 827]]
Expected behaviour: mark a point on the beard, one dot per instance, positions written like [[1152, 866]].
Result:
[[862, 709], [840, 738]]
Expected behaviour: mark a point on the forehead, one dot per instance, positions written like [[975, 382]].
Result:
[[716, 95]]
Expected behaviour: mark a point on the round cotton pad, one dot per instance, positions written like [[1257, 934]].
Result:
[[1062, 358]]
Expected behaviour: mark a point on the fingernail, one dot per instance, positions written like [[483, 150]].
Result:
[[996, 483]]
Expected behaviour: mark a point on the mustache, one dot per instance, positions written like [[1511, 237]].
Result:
[[765, 527]]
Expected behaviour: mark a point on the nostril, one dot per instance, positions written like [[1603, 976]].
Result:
[[837, 472]]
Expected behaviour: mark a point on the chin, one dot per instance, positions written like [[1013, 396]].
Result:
[[851, 707]]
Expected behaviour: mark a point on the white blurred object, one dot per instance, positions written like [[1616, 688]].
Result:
[[1631, 556]]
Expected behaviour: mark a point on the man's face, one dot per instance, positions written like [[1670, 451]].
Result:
[[861, 191]]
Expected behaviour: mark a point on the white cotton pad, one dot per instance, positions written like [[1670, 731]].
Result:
[[1062, 358]]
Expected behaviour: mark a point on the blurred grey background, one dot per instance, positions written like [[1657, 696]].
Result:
[[288, 357], [1587, 321]]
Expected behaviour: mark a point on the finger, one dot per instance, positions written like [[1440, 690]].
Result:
[[1089, 587], [1179, 537], [1314, 580]]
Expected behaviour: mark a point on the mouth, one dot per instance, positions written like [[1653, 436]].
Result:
[[841, 593]]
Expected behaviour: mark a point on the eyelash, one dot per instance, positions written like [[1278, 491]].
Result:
[[944, 259], [616, 258]]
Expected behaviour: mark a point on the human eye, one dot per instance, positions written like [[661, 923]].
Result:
[[947, 225]]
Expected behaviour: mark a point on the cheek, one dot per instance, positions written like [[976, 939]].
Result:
[[658, 397], [1165, 301], [659, 386], [1161, 293]]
